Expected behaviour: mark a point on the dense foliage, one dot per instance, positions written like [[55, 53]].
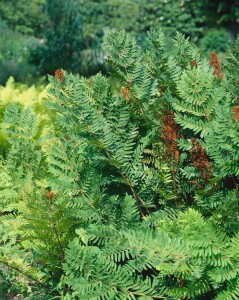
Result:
[[25, 16], [15, 49], [133, 192], [63, 38]]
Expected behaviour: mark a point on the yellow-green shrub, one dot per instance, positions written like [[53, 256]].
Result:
[[32, 97]]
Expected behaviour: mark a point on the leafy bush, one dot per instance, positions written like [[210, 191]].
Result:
[[28, 97], [215, 40], [14, 53], [24, 16], [134, 195]]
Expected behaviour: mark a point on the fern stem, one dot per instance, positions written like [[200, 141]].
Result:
[[135, 194], [140, 294], [21, 272], [57, 236]]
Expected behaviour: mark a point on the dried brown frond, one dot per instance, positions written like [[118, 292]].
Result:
[[170, 134], [200, 160], [215, 63], [59, 74], [50, 195], [125, 92], [236, 113], [195, 63]]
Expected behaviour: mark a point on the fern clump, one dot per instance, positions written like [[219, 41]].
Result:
[[133, 193]]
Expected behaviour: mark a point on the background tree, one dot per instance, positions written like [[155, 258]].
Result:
[[221, 13], [25, 16], [63, 38], [171, 16]]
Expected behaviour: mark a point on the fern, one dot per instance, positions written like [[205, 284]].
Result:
[[133, 193]]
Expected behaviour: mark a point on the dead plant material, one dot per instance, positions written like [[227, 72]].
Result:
[[125, 93], [170, 134], [200, 160], [50, 195], [236, 113], [195, 63], [59, 75], [215, 63]]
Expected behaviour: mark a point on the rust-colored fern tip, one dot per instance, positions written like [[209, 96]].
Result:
[[170, 133], [236, 113], [125, 93], [215, 63], [50, 195], [195, 64], [200, 160], [59, 74]]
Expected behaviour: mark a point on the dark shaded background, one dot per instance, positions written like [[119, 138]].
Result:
[[37, 37]]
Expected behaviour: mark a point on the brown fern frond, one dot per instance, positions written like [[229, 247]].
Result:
[[50, 195], [125, 93], [215, 63], [236, 113], [200, 160], [170, 134], [59, 75], [195, 63]]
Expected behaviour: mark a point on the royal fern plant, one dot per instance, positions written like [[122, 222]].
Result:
[[133, 191]]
